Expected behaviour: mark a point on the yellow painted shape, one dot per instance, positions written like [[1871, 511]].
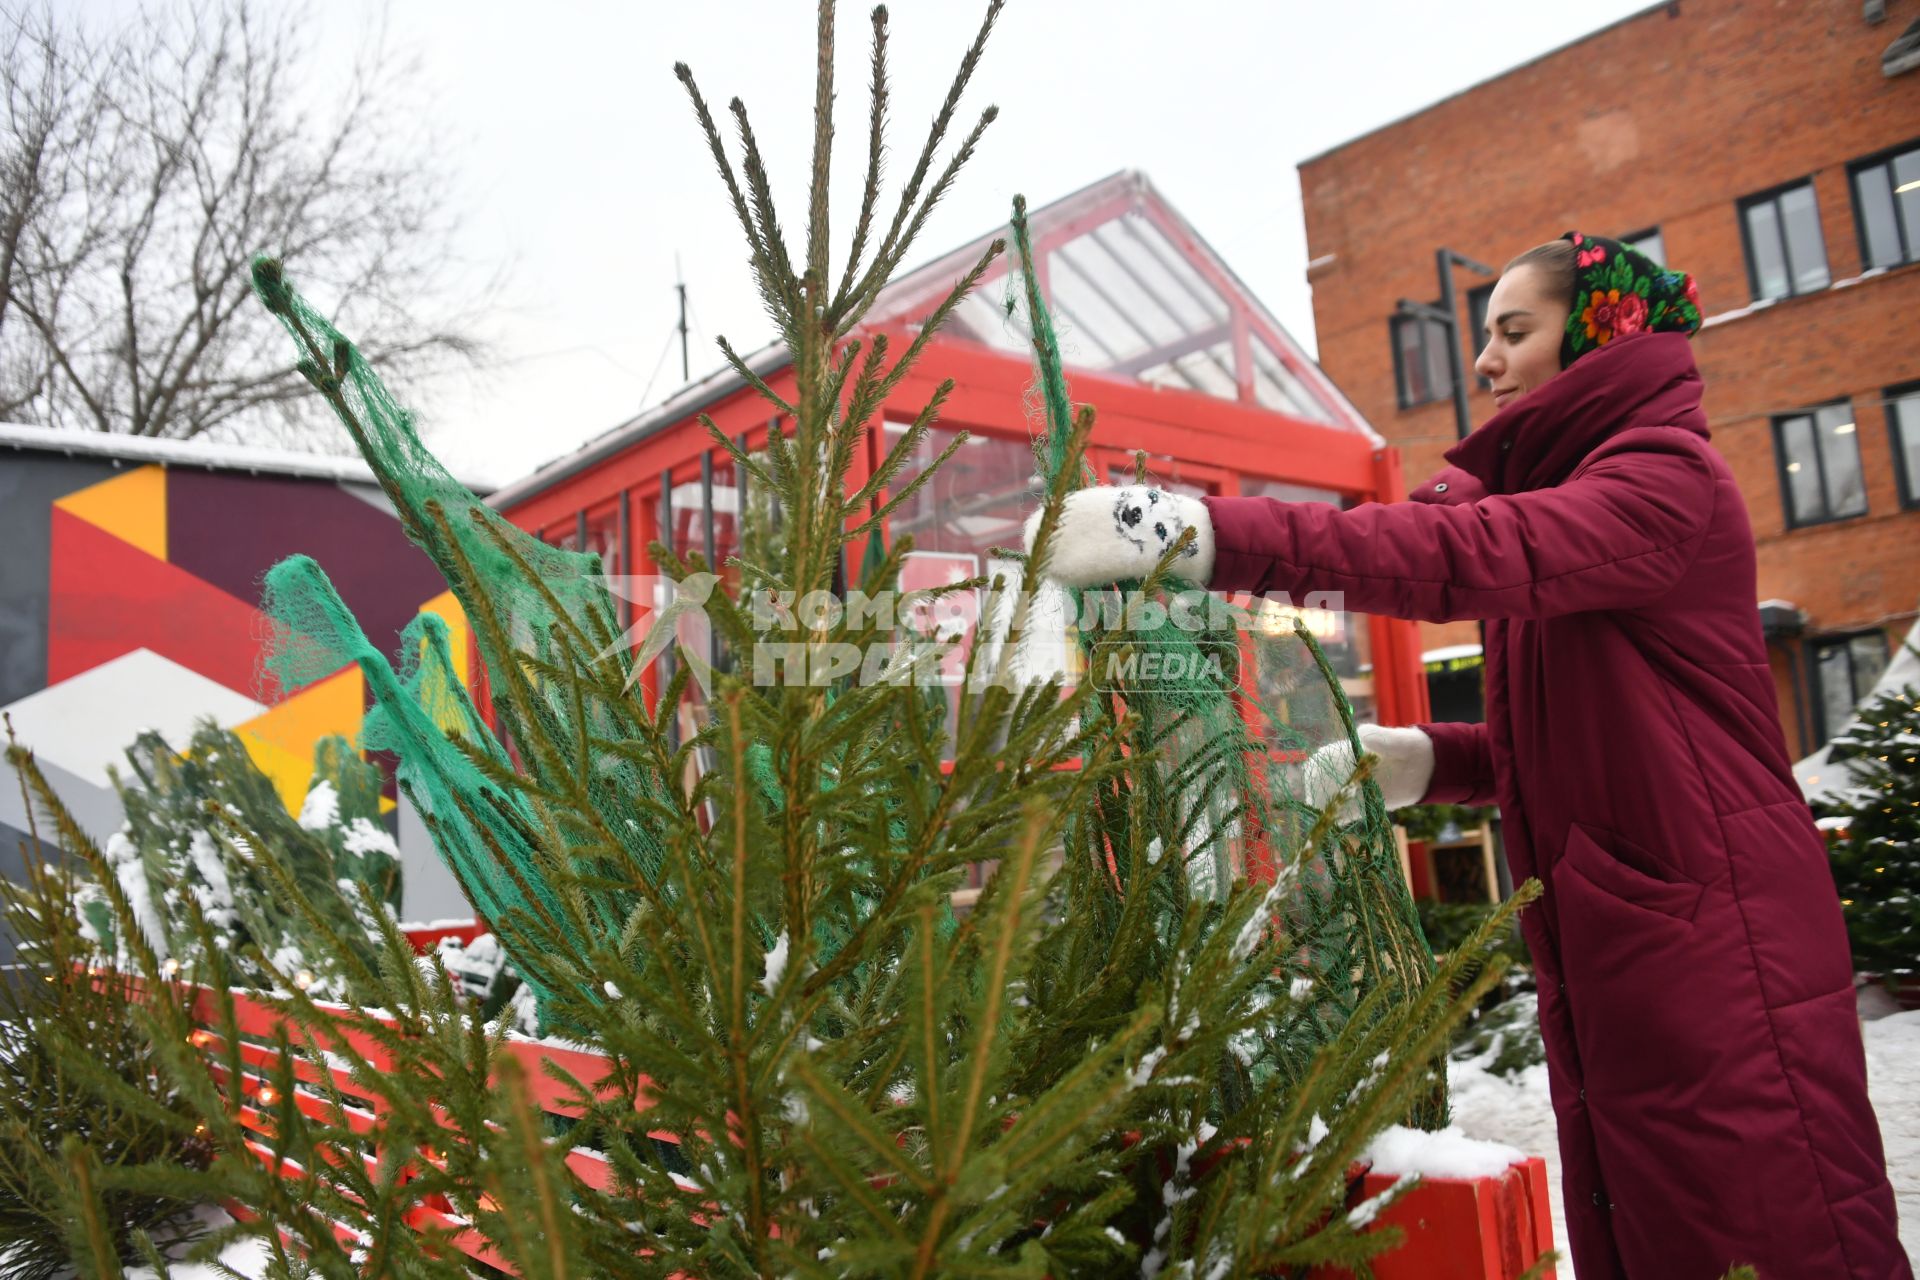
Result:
[[288, 772], [436, 701], [459, 632], [282, 741], [132, 507]]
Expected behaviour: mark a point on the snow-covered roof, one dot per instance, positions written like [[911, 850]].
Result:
[[1137, 294], [208, 454], [1819, 777]]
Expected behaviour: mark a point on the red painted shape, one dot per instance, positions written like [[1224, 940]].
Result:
[[424, 940], [107, 597], [1462, 1228]]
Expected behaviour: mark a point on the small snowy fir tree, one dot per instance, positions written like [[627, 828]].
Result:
[[198, 827], [1876, 845]]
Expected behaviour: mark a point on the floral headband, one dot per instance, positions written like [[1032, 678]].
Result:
[[1618, 291]]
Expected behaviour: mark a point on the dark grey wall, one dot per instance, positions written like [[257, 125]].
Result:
[[30, 482]]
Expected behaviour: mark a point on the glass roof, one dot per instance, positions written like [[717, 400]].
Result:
[[1135, 293]]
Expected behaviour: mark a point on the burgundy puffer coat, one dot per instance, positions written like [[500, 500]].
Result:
[[1696, 995]]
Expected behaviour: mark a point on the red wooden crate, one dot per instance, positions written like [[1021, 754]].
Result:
[[1456, 1229], [1463, 1228]]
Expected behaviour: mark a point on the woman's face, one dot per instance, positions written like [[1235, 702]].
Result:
[[1524, 325]]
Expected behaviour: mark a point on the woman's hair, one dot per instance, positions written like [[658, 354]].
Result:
[[1555, 262]]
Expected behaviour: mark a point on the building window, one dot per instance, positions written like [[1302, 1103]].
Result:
[[1649, 242], [1477, 300], [1420, 365], [1903, 420], [1845, 669], [1819, 457], [1785, 252], [1886, 207]]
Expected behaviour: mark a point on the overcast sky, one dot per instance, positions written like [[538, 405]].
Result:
[[583, 174]]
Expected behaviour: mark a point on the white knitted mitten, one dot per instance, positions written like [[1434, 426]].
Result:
[[1112, 533], [1404, 772]]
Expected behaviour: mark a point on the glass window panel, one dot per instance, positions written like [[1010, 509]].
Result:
[[1477, 301], [1143, 306], [1906, 190], [1873, 194], [1099, 334], [980, 319], [1769, 260], [1277, 388], [1836, 688], [1173, 268], [1167, 473], [758, 529], [978, 500], [1802, 466], [1440, 370], [1840, 452], [1343, 635], [1651, 243], [1906, 441], [1805, 248], [1211, 370], [1285, 491], [1173, 297], [1412, 360], [1869, 654], [603, 537]]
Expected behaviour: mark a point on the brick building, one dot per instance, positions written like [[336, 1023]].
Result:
[[1770, 147]]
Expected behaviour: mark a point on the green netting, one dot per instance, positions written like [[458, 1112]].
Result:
[[509, 853], [567, 825], [1226, 733]]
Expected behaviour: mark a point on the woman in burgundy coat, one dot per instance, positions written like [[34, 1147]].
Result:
[[1696, 996]]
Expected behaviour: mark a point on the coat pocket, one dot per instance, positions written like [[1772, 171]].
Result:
[[1629, 874]]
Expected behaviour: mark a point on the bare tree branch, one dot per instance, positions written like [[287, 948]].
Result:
[[142, 172]]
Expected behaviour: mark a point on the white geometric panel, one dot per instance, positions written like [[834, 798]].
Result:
[[85, 724]]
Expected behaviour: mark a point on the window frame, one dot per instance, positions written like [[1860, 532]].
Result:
[[1908, 483], [1909, 251], [1482, 294], [1816, 696], [1652, 229], [1812, 413], [1436, 395], [1772, 196]]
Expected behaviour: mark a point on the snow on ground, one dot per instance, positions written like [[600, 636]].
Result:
[[1515, 1110], [246, 1257], [1893, 1078]]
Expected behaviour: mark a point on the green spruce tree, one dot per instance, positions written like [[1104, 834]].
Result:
[[195, 821], [1876, 856], [1126, 1055]]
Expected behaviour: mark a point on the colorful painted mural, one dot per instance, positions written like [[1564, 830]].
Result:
[[129, 590]]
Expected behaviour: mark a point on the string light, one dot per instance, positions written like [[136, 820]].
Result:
[[303, 979]]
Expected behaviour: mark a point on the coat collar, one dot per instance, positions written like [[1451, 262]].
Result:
[[1645, 380]]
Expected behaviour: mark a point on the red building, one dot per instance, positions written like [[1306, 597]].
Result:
[[1179, 358], [1773, 150]]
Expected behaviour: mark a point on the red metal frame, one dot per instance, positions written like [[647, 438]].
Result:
[[1224, 439], [1455, 1229]]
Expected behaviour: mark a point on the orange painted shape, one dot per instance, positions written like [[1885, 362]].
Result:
[[282, 741], [132, 507]]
